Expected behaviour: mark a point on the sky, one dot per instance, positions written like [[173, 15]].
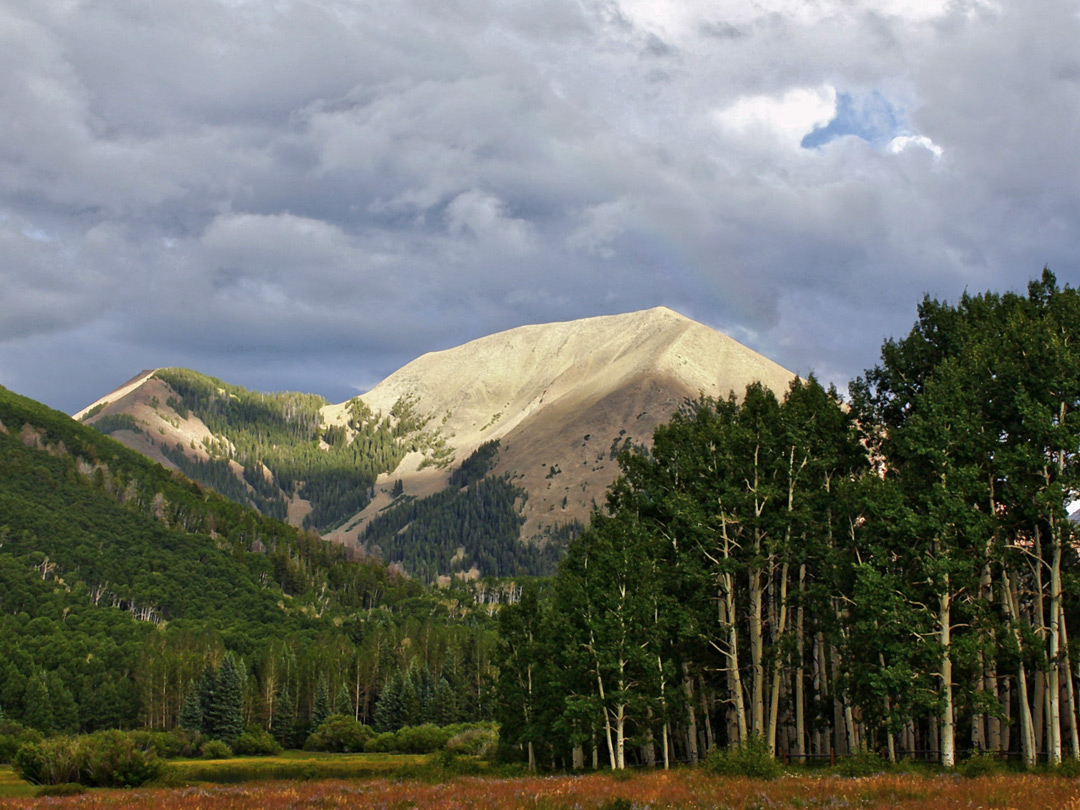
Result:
[[296, 195]]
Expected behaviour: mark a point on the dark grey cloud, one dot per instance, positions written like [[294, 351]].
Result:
[[309, 194]]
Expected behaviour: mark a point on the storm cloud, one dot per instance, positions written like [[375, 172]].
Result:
[[306, 195]]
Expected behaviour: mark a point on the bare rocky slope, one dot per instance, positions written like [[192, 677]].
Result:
[[561, 399]]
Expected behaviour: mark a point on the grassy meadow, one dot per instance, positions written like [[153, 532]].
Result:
[[382, 783]]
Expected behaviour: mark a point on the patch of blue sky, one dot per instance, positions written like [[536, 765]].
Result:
[[870, 117]]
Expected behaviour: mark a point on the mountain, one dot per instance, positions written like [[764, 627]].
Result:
[[510, 437]]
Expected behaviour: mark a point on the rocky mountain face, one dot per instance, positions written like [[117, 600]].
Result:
[[561, 400]]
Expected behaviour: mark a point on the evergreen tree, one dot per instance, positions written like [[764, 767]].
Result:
[[191, 713], [321, 707], [37, 711], [389, 710], [229, 705]]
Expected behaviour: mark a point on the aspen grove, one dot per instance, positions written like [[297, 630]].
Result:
[[892, 574]]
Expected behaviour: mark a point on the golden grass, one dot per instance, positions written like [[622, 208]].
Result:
[[676, 790]]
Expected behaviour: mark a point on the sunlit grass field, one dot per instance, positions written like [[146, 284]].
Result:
[[653, 790]]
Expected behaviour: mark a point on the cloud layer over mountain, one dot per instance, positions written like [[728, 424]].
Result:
[[310, 194]]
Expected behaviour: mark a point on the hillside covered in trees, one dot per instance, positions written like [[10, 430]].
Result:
[[282, 446], [897, 573], [123, 586]]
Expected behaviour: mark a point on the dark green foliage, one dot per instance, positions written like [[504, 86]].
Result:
[[14, 735], [321, 707], [256, 742], [339, 734], [191, 715], [216, 749], [420, 739], [752, 758], [222, 700], [424, 534], [117, 421], [476, 466]]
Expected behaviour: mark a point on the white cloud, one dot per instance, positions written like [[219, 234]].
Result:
[[786, 118], [903, 142]]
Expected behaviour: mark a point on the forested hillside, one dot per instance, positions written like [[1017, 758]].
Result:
[[897, 574], [122, 585], [475, 523], [282, 447]]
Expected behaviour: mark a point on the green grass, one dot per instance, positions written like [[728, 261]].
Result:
[[11, 786], [299, 765]]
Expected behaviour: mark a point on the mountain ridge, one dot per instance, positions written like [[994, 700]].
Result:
[[561, 400]]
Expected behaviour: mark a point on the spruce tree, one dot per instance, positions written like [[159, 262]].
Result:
[[229, 716], [320, 709], [191, 713]]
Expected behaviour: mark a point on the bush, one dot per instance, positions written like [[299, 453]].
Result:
[[49, 762], [861, 763], [105, 759], [423, 739], [381, 743], [750, 758], [112, 759], [256, 742], [477, 742], [1069, 767], [982, 763], [167, 744], [339, 734], [13, 736], [216, 749]]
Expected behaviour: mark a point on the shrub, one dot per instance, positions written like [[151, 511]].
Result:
[[861, 763], [216, 749], [112, 759], [1069, 767], [477, 742], [256, 742], [105, 759], [980, 764], [339, 734], [423, 739], [49, 762], [167, 744], [750, 758], [381, 743], [14, 735]]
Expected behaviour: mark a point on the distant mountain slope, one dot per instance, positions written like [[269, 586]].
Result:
[[561, 400]]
